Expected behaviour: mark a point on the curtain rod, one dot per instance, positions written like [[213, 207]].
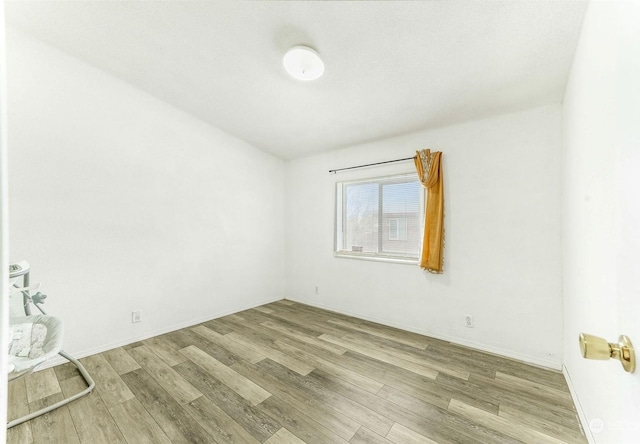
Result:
[[372, 164]]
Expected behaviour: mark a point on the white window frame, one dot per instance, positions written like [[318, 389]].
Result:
[[399, 233], [340, 206]]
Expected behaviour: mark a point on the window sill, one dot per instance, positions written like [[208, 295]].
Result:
[[393, 260]]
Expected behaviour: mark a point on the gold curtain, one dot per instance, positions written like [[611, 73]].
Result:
[[429, 167]]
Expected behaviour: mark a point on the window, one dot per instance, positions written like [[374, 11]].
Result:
[[379, 218], [398, 229]]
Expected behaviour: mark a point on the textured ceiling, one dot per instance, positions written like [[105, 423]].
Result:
[[390, 67]]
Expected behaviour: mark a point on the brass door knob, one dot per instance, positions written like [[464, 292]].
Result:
[[594, 347]]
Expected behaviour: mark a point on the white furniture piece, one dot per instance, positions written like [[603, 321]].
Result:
[[36, 338]]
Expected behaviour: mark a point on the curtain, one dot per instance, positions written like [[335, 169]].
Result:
[[429, 167]]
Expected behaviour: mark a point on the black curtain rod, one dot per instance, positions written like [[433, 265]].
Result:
[[372, 164]]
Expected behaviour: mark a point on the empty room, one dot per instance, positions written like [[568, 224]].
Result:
[[320, 222]]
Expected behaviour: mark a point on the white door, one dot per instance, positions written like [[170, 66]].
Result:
[[628, 213]]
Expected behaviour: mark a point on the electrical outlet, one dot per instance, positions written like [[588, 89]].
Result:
[[317, 290], [136, 316], [468, 321]]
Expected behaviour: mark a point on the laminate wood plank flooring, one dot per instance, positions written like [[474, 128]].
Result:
[[284, 436], [288, 373], [56, 426], [136, 423], [178, 387], [19, 407], [42, 384], [91, 419], [120, 360]]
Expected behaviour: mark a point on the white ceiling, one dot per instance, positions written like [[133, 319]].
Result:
[[390, 67]]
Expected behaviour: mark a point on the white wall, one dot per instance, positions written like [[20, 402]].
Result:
[[601, 209], [121, 202], [502, 255]]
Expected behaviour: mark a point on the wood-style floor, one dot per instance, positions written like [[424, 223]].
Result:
[[290, 373]]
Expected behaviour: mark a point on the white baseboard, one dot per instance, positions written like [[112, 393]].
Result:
[[581, 416], [541, 362], [486, 348], [102, 348]]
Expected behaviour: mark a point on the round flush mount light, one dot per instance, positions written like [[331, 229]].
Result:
[[303, 63]]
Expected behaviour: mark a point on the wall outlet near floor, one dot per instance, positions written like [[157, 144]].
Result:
[[317, 290], [468, 321], [136, 316]]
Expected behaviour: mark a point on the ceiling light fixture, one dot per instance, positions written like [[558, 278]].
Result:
[[303, 63]]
